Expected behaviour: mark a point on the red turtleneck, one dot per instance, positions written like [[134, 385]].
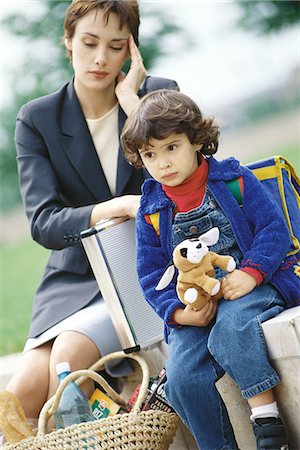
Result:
[[189, 194]]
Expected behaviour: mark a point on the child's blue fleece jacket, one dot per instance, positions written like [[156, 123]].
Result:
[[259, 227]]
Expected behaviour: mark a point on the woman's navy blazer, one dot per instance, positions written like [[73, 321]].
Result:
[[61, 179]]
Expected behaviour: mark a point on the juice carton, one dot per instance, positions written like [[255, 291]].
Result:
[[103, 406]]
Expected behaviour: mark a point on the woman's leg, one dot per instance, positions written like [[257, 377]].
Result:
[[79, 350], [190, 389], [30, 382], [237, 341]]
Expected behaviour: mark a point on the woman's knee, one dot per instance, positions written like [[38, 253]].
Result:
[[76, 348], [31, 379]]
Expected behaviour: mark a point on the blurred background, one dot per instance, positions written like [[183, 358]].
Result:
[[239, 59]]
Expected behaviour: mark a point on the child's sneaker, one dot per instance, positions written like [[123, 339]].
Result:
[[270, 434]]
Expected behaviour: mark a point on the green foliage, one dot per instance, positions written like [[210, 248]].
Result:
[[21, 267], [46, 68], [269, 16]]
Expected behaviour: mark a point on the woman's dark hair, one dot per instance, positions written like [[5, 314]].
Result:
[[126, 10], [162, 113]]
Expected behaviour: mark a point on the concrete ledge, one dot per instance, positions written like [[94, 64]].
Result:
[[283, 340], [8, 364]]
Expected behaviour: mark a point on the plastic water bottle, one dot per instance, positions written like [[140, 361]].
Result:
[[74, 406]]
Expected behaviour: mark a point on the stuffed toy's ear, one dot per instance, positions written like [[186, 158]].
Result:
[[166, 278], [211, 237]]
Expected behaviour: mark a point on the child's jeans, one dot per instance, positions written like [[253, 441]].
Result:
[[233, 343]]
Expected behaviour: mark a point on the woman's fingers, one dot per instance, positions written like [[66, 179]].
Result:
[[134, 52]]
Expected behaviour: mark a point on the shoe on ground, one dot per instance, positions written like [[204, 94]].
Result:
[[270, 434]]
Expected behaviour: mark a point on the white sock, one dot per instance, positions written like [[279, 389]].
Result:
[[269, 410]]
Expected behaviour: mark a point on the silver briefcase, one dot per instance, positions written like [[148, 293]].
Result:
[[111, 249]]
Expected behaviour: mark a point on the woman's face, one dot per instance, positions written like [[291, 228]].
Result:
[[98, 50]]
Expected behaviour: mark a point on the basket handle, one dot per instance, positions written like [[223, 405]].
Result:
[[51, 406]]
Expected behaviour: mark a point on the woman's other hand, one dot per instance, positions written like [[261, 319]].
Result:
[[124, 206], [128, 85], [201, 318], [236, 284]]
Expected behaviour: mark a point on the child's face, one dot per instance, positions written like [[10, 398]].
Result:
[[171, 160]]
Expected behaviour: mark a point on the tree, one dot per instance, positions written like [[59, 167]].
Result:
[[269, 16], [45, 68]]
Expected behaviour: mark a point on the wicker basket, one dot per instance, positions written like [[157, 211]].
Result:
[[136, 430]]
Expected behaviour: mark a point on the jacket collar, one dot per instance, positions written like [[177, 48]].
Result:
[[155, 199], [227, 169], [80, 149]]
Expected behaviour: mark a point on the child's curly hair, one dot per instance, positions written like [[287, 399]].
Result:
[[161, 113]]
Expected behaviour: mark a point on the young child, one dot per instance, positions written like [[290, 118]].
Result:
[[168, 135]]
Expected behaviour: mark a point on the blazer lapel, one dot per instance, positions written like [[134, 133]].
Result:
[[79, 147], [124, 170]]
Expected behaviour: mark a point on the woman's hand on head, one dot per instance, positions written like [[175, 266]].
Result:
[[201, 318], [128, 85], [237, 283]]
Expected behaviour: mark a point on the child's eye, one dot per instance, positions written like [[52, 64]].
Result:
[[149, 155], [172, 147]]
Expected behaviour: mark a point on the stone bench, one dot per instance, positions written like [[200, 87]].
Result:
[[282, 335]]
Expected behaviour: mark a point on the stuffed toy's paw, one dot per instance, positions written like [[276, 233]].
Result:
[[231, 265], [216, 289], [190, 295]]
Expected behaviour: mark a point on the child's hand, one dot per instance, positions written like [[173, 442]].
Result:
[[236, 284], [201, 318]]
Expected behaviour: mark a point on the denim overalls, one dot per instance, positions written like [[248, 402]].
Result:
[[200, 220], [234, 342]]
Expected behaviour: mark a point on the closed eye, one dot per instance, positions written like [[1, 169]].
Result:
[[89, 44]]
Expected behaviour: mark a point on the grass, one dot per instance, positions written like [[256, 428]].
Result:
[[290, 153], [22, 264]]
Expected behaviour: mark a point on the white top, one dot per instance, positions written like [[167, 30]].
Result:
[[105, 134]]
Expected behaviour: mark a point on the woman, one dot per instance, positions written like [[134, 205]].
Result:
[[72, 175]]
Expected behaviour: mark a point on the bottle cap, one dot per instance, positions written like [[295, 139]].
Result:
[[63, 367]]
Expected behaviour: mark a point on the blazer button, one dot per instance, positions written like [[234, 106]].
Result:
[[76, 237], [71, 238], [194, 229], [66, 238]]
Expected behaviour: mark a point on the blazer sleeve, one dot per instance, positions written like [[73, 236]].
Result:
[[151, 264], [53, 223]]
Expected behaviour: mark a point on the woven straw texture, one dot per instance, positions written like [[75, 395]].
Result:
[[137, 430]]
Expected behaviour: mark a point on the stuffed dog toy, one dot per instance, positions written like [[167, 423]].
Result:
[[196, 284]]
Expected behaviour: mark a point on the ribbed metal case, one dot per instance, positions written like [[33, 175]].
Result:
[[111, 249]]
